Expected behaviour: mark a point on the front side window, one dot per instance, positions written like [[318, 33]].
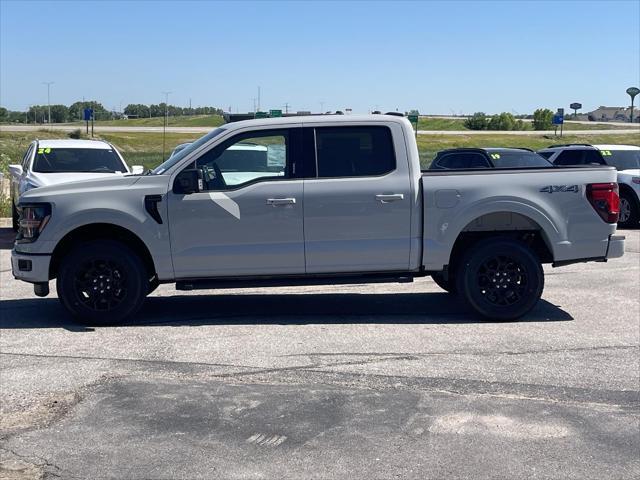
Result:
[[579, 157], [354, 151], [622, 159], [246, 158], [518, 159], [80, 160]]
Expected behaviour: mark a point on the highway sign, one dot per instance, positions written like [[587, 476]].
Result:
[[558, 119], [275, 113], [261, 115], [413, 118], [88, 113]]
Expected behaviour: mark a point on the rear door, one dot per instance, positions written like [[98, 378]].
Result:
[[357, 209]]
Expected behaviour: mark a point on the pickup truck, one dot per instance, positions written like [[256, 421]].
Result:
[[335, 200]]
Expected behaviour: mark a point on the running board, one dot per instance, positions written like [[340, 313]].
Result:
[[289, 281]]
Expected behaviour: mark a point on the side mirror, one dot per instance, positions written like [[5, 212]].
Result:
[[137, 169], [15, 170], [187, 182]]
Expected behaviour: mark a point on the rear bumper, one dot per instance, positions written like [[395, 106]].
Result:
[[616, 246], [615, 249], [29, 267]]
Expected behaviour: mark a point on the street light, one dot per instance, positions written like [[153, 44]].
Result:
[[164, 126], [632, 92], [48, 84]]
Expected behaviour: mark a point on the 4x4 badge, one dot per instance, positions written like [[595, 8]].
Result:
[[560, 188]]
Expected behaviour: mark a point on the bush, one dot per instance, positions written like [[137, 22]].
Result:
[[542, 119], [503, 121], [478, 121], [77, 133]]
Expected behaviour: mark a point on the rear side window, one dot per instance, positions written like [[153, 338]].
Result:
[[580, 157], [460, 161], [354, 151]]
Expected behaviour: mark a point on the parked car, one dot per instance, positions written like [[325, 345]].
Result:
[[470, 158], [345, 202], [625, 158], [49, 162]]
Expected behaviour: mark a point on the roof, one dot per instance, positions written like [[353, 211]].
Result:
[[568, 146], [70, 143], [315, 119], [485, 149], [617, 147]]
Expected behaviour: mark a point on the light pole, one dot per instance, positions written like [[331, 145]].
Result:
[[632, 92], [48, 84], [166, 118]]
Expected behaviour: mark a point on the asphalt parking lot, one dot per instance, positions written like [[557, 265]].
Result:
[[363, 381]]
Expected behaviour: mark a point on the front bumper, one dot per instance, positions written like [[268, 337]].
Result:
[[29, 267]]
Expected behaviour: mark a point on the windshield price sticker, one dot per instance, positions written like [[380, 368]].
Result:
[[44, 150], [605, 153], [495, 156]]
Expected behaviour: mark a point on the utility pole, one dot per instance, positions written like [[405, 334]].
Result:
[[166, 118], [258, 97], [286, 108], [48, 84]]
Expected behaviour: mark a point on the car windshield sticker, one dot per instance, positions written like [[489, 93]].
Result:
[[495, 156], [44, 150], [605, 153]]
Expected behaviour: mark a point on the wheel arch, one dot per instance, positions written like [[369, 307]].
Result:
[[101, 231]]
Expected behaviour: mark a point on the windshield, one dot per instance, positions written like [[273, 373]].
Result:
[[77, 160], [174, 159], [518, 159], [622, 159]]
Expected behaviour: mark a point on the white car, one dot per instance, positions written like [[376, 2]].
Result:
[[625, 158], [50, 162]]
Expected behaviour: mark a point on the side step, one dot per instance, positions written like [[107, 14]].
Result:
[[290, 281]]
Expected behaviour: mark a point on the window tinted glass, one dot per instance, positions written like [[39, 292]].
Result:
[[579, 157], [175, 158], [461, 160], [94, 160], [354, 151], [518, 159], [622, 159], [546, 155], [245, 159]]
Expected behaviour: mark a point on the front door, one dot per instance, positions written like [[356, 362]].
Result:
[[248, 220]]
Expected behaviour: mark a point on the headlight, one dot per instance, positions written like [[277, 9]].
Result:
[[33, 218]]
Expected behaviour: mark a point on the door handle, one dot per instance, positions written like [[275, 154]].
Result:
[[392, 197], [280, 201]]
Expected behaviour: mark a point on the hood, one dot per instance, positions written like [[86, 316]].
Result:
[[45, 179], [110, 182]]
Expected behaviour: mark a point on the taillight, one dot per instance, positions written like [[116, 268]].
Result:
[[605, 200]]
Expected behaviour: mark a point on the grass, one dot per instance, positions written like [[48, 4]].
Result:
[[146, 148], [183, 121], [457, 124]]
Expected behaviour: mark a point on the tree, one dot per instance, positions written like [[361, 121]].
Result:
[[478, 121], [542, 119], [76, 110], [59, 114], [503, 121], [4, 114]]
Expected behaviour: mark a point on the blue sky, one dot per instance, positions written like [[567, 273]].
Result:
[[439, 57]]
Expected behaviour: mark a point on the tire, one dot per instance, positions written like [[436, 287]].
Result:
[[14, 217], [447, 285], [628, 210], [501, 279], [102, 283]]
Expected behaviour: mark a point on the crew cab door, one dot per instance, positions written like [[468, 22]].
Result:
[[357, 209], [248, 219]]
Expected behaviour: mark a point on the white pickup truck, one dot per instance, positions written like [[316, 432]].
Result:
[[318, 200]]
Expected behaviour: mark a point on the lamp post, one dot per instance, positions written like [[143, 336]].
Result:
[[166, 115], [48, 84], [632, 92]]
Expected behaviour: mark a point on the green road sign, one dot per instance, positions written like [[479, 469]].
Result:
[[275, 113], [413, 118], [261, 115]]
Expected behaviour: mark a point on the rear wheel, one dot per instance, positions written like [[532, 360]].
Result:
[[14, 217], [628, 211], [501, 279], [102, 282]]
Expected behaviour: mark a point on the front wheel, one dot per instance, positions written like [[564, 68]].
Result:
[[628, 211], [501, 279], [102, 282]]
